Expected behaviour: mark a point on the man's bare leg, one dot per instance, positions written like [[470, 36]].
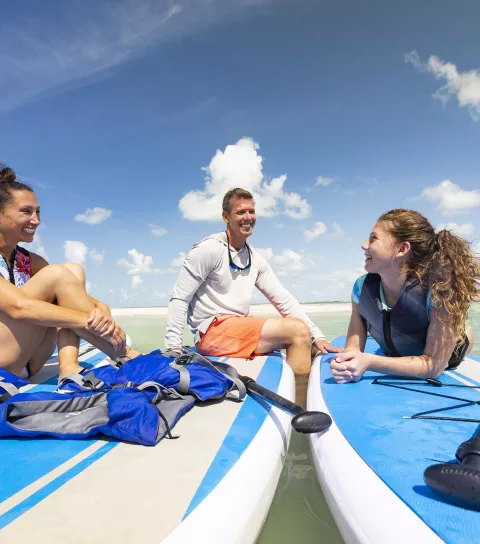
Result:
[[293, 335]]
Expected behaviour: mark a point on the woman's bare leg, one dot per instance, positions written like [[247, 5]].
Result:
[[68, 346], [58, 283], [43, 352], [19, 343]]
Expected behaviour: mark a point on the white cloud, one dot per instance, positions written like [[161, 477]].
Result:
[[344, 278], [466, 229], [240, 165], [83, 41], [75, 251], [451, 198], [323, 181], [178, 261], [157, 230], [126, 295], [465, 86], [96, 255], [266, 252], [36, 246], [296, 207], [141, 264], [89, 287], [93, 216], [159, 294], [288, 263], [318, 229], [136, 281], [337, 231]]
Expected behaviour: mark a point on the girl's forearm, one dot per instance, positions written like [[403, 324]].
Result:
[[416, 365]]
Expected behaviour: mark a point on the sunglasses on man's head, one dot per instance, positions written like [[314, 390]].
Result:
[[234, 266]]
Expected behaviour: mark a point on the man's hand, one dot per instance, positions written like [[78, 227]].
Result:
[[349, 366], [323, 347], [100, 321]]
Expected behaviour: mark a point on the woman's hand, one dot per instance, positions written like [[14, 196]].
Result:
[[100, 321], [349, 366], [118, 339]]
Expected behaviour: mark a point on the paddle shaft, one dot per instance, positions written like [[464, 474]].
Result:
[[272, 397], [303, 421]]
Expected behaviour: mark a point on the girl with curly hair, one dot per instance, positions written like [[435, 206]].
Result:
[[43, 305], [414, 301]]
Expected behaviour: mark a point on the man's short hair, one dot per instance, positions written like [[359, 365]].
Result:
[[235, 194]]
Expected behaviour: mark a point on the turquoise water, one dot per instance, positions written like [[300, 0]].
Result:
[[299, 507]]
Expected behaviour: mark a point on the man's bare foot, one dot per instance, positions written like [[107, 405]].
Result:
[[66, 371]]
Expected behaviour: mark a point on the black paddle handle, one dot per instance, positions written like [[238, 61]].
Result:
[[303, 421], [272, 397]]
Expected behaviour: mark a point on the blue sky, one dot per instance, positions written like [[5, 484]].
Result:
[[131, 119]]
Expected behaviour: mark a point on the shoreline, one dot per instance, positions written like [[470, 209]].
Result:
[[312, 308]]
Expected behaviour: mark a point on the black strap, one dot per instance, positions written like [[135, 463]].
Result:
[[388, 381]]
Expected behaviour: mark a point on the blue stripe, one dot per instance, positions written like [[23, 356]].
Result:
[[52, 486], [249, 419], [24, 461]]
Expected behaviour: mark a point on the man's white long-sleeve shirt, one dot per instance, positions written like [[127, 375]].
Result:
[[208, 287]]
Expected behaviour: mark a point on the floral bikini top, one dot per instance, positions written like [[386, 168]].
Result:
[[21, 272]]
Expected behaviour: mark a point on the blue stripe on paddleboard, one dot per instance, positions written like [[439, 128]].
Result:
[[249, 419], [374, 419], [52, 486], [24, 461]]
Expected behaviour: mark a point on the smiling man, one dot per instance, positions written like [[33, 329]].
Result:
[[214, 293]]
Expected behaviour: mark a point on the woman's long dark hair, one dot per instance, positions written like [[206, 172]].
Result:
[[8, 184]]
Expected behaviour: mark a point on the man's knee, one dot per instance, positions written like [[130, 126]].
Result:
[[298, 331]]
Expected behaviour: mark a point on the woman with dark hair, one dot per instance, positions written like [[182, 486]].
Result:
[[414, 300], [42, 305]]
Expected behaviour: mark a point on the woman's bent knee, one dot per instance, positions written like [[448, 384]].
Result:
[[77, 270]]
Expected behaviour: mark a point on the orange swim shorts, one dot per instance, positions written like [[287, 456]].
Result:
[[232, 336]]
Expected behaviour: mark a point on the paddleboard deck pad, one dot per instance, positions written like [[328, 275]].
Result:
[[371, 462], [213, 484]]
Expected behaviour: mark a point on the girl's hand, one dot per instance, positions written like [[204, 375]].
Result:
[[349, 366]]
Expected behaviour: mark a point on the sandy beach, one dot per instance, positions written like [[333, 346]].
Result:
[[313, 308]]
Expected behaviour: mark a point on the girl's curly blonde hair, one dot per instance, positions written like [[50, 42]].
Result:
[[443, 262]]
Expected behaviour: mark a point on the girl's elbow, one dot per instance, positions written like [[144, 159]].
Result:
[[433, 373], [433, 369]]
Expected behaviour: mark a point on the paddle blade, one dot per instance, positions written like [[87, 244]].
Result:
[[455, 483], [311, 422]]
